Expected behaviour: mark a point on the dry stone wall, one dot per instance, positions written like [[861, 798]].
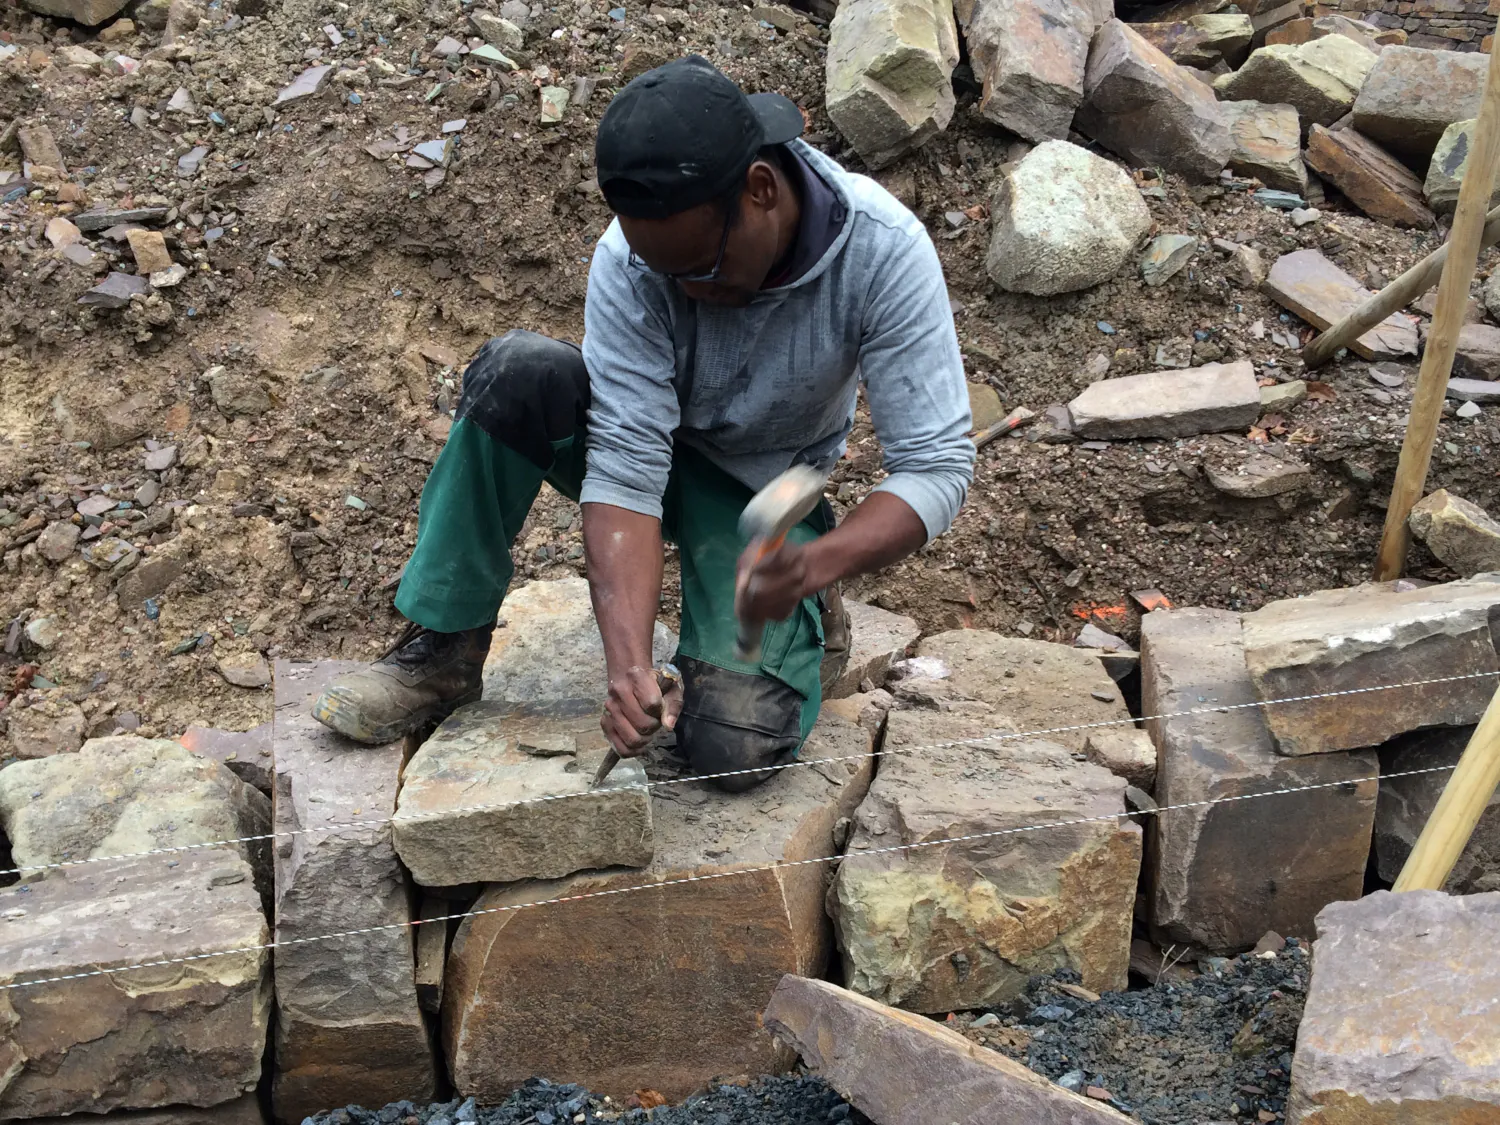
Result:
[[1454, 25]]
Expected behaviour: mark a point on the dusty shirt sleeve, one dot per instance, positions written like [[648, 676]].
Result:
[[914, 382], [627, 348]]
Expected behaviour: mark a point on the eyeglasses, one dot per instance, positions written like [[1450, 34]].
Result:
[[696, 278]]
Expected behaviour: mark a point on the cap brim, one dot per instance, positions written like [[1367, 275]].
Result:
[[780, 119]]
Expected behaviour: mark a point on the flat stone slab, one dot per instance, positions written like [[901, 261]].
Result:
[[1320, 293], [876, 638], [1259, 475], [349, 1028], [1219, 879], [1401, 1015], [1472, 390], [548, 645], [662, 986], [1371, 178], [904, 1069], [1169, 404], [1369, 635], [181, 1033], [1033, 685], [961, 926], [241, 1111], [474, 804], [1267, 144]]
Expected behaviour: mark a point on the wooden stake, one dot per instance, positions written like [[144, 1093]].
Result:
[[1397, 295], [1437, 360], [1468, 792]]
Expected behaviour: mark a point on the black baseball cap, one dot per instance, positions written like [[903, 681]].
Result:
[[683, 134]]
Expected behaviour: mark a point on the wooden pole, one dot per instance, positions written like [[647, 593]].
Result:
[[1397, 295], [1458, 810], [1437, 360]]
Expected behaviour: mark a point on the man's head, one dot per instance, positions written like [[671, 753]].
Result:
[[689, 165]]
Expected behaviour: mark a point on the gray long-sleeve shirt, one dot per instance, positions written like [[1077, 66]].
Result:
[[772, 385]]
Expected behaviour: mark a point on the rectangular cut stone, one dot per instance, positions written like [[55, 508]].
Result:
[[661, 986], [182, 1033], [964, 925], [903, 1069], [876, 637], [1367, 636], [241, 1111], [476, 805], [1169, 404], [1219, 879], [1267, 144], [1400, 1026], [1413, 94], [1372, 179], [348, 1029], [1320, 293]]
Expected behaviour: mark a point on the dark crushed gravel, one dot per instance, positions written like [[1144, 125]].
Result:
[[1213, 1049], [771, 1101]]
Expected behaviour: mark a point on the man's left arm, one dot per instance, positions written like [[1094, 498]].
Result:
[[919, 403]]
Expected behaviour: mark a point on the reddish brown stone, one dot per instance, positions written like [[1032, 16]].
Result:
[[1372, 179], [1320, 293]]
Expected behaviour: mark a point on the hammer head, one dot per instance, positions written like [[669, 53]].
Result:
[[782, 504]]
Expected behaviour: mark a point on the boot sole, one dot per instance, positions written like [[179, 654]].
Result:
[[339, 711]]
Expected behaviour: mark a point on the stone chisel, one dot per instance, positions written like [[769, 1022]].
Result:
[[666, 676]]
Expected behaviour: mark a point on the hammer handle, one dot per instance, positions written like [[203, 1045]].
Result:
[[747, 643]]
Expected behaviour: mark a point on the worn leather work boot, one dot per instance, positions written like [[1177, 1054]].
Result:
[[835, 638], [421, 679]]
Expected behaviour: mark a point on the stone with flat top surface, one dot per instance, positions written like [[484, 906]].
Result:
[[1320, 293], [1169, 404]]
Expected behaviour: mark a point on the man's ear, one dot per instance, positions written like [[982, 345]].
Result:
[[762, 185]]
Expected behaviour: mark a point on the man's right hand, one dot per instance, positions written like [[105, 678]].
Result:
[[636, 709]]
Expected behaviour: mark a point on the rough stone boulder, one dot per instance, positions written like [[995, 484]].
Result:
[[186, 1033], [1462, 535], [1321, 293], [476, 799], [1169, 404], [1399, 1025], [889, 74], [963, 925], [1033, 685], [90, 13], [549, 647], [1127, 752], [1320, 79], [246, 754], [1202, 41], [1407, 802], [876, 638], [124, 795], [1450, 162], [1267, 144], [348, 1026], [1029, 56], [1218, 878], [1364, 637], [1412, 95], [1370, 178], [903, 1069], [660, 986], [1063, 220], [1142, 106]]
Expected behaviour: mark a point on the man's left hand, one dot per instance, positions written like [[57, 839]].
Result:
[[768, 588]]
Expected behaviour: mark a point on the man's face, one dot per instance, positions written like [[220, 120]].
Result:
[[742, 243]]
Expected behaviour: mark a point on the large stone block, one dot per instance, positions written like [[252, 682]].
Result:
[[1399, 1026], [902, 1069], [1267, 144], [1406, 803], [1321, 293], [348, 1026], [1462, 535], [1219, 879], [1320, 78], [1370, 178], [548, 645], [1202, 41], [1033, 685], [1029, 56], [1169, 404], [1412, 95], [90, 13], [1369, 636], [889, 74], [1142, 106], [192, 1031], [124, 796], [876, 638], [241, 1111], [659, 986], [963, 925], [1450, 163], [1062, 220], [476, 805]]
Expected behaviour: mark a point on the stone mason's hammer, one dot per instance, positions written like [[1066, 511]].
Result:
[[771, 513]]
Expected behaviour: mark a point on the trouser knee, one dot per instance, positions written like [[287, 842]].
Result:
[[736, 728], [527, 391]]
